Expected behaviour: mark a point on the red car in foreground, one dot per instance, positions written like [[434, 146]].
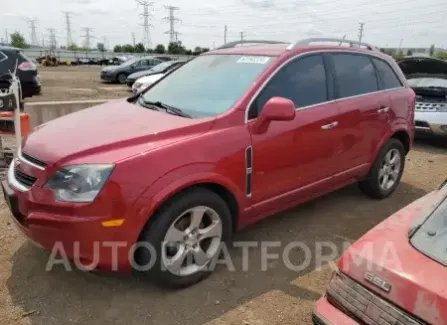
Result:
[[227, 139], [395, 273]]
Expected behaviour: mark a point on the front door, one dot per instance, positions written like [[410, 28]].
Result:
[[300, 153]]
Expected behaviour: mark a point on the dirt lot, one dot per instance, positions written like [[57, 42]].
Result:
[[75, 83], [30, 295]]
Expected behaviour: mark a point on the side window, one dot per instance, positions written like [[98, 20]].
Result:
[[386, 74], [154, 62], [355, 74], [303, 81]]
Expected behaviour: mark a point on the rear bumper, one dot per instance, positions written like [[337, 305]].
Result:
[[326, 314], [431, 122]]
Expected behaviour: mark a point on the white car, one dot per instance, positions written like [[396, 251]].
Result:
[[145, 82], [428, 78]]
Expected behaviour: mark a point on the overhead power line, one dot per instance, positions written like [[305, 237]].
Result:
[[146, 15], [87, 36], [172, 20], [68, 27], [33, 34]]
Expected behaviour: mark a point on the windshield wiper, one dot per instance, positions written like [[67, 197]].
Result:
[[146, 104], [168, 108]]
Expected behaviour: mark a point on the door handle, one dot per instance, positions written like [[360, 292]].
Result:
[[383, 110], [329, 126]]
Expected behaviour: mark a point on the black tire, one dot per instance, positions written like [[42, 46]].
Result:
[[155, 231], [370, 185], [121, 78]]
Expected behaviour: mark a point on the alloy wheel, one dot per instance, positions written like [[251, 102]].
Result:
[[192, 241], [390, 169]]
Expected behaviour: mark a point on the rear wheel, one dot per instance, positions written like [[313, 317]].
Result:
[[386, 171], [186, 235]]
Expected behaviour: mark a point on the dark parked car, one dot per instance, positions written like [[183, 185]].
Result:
[[160, 68], [26, 70], [120, 73]]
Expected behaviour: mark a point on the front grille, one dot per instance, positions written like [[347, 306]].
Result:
[[429, 107], [421, 124], [365, 306], [34, 160], [23, 178]]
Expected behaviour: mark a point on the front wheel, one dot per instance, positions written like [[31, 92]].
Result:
[[122, 78], [386, 171], [186, 235]]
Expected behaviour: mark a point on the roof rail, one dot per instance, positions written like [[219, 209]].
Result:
[[235, 43], [308, 41]]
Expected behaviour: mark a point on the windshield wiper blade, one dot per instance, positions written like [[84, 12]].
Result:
[[169, 109], [146, 104]]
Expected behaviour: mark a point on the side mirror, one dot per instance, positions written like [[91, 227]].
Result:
[[276, 109]]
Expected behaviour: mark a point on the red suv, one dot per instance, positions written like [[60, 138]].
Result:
[[229, 138]]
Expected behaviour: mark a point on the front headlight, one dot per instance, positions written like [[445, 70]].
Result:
[[79, 183], [137, 85]]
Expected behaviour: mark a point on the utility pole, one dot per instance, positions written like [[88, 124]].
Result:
[[242, 36], [87, 37], [105, 43], [225, 34], [68, 27], [146, 15], [133, 39], [172, 19], [52, 38], [361, 26], [6, 37], [32, 25]]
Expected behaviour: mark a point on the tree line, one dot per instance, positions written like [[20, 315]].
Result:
[[18, 40], [173, 48]]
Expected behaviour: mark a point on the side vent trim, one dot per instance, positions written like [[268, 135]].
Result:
[[248, 170]]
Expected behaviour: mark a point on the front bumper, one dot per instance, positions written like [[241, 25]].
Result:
[[431, 122], [326, 314], [73, 230], [107, 76]]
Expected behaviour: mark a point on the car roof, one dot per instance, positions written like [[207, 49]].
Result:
[[277, 49], [9, 48]]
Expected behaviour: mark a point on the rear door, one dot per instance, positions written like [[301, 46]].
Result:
[[297, 154], [363, 119]]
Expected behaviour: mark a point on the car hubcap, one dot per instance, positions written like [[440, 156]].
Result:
[[390, 169], [192, 241], [122, 79]]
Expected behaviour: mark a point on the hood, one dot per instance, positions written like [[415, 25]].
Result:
[[417, 67], [109, 68], [385, 254], [150, 79], [140, 74], [108, 133]]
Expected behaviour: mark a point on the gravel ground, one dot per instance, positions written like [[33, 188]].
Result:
[[79, 82], [30, 295]]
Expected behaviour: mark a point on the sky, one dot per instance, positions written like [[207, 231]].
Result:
[[387, 23]]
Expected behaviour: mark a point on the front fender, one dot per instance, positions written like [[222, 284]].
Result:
[[175, 181]]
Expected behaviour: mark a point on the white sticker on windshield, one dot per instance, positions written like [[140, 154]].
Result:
[[254, 59]]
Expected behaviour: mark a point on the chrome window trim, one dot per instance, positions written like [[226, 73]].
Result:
[[300, 55], [5, 57], [13, 181]]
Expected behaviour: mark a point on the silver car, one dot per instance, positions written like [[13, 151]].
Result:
[[428, 78]]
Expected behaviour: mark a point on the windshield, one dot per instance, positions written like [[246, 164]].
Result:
[[208, 85], [427, 82], [129, 62], [162, 66]]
